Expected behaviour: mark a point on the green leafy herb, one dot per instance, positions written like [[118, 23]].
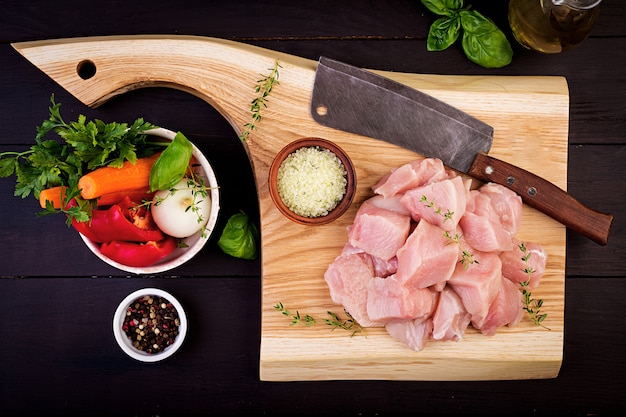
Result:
[[172, 164], [531, 305], [239, 237], [84, 146], [334, 320], [307, 320], [467, 258], [431, 204], [264, 88], [482, 41]]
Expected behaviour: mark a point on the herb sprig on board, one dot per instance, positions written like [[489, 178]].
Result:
[[264, 87], [531, 305], [333, 320], [482, 41]]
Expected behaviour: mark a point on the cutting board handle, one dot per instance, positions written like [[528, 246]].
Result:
[[545, 197]]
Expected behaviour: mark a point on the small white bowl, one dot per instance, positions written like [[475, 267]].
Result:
[[127, 345], [193, 243]]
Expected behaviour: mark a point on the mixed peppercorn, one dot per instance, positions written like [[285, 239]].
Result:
[[151, 323]]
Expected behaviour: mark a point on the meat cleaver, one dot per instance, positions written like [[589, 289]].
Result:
[[358, 101]]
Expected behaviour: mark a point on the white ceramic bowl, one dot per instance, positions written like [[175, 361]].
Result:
[[194, 242], [127, 345]]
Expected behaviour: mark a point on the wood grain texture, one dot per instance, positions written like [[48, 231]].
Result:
[[530, 117]]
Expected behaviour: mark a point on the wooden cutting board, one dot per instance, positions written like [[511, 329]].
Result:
[[530, 118]]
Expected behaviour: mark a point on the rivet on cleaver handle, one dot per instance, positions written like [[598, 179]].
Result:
[[358, 101]]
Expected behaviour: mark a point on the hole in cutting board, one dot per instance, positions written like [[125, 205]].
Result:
[[86, 69]]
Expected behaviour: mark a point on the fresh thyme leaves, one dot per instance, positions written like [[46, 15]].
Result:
[[264, 88], [531, 305], [85, 146], [334, 320], [295, 318], [431, 204], [348, 324], [467, 258], [482, 41]]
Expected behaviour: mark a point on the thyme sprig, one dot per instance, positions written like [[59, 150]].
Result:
[[467, 258], [349, 324], [296, 318], [531, 305], [263, 87]]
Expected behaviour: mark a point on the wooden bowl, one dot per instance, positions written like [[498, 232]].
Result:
[[343, 205]]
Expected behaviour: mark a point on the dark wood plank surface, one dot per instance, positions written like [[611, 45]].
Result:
[[57, 352]]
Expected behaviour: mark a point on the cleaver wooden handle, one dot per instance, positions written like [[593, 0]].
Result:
[[545, 197]]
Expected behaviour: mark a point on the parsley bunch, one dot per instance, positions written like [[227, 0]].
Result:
[[84, 146]]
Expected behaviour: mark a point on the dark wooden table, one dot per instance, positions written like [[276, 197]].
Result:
[[57, 351]]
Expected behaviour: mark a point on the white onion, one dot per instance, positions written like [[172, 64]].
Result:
[[172, 213]]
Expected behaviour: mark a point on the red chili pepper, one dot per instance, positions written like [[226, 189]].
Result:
[[139, 254], [123, 221]]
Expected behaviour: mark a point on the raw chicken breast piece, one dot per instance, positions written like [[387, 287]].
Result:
[[506, 309], [382, 268], [506, 204], [388, 300], [450, 319], [478, 284], [348, 277], [481, 225], [378, 231], [427, 258], [388, 203], [444, 205], [514, 266], [413, 333], [414, 174]]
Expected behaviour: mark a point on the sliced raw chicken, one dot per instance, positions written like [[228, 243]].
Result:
[[411, 175], [348, 277], [441, 203], [382, 268], [478, 284], [481, 225], [379, 232], [427, 258], [514, 267], [388, 300], [506, 309], [506, 204], [450, 319], [413, 333]]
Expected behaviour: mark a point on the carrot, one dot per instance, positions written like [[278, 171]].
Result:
[[107, 180], [115, 197], [55, 195]]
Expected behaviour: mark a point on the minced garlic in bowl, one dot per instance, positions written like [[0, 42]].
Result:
[[312, 181]]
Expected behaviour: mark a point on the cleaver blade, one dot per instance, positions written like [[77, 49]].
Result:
[[358, 101]]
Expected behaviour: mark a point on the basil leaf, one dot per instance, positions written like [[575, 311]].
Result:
[[172, 165], [443, 33], [239, 237], [483, 43], [443, 7]]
